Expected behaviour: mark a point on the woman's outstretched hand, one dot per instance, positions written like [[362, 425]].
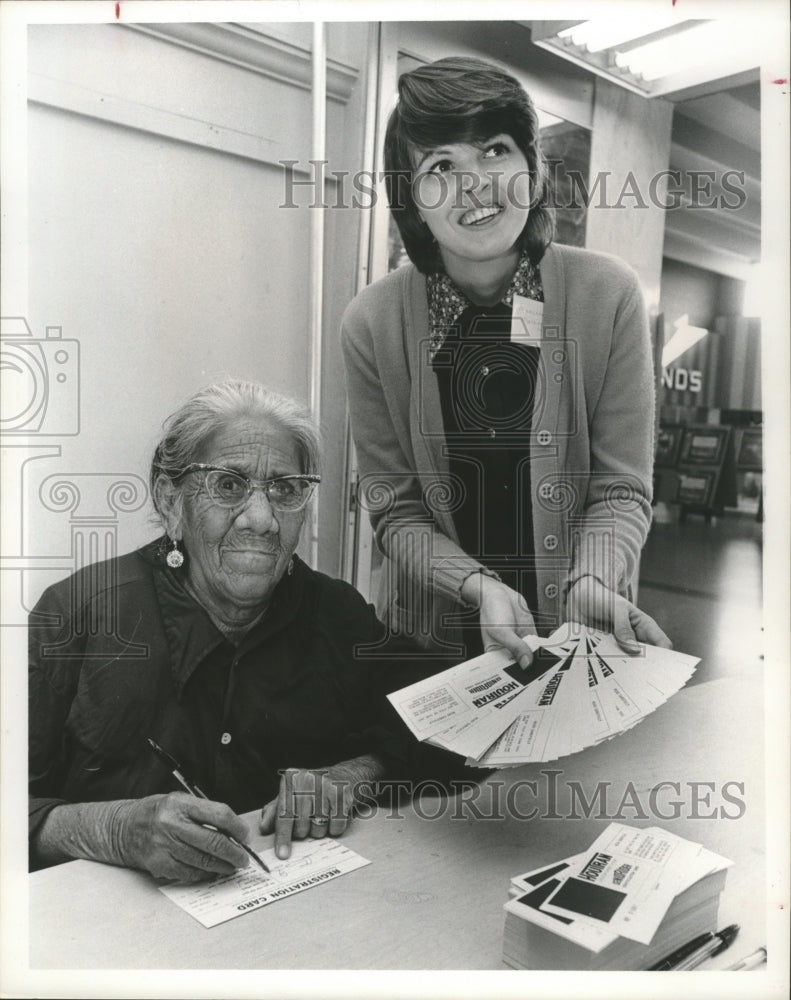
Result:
[[589, 602], [504, 614]]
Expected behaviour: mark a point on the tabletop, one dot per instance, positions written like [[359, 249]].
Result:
[[432, 897]]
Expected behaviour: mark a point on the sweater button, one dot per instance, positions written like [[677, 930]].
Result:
[[544, 437], [551, 590], [550, 542], [492, 432], [485, 370], [225, 739]]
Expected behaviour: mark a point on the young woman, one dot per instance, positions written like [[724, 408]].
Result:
[[500, 386]]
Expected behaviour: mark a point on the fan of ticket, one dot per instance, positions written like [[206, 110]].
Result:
[[580, 689]]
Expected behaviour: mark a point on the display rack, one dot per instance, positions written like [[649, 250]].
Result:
[[696, 468]]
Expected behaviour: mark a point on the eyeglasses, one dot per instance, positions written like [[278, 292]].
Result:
[[229, 489]]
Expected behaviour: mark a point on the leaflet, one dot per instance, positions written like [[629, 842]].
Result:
[[534, 887], [312, 863], [678, 863], [540, 731], [626, 880], [477, 689], [654, 673], [580, 689]]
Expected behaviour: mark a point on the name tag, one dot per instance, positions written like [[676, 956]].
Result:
[[526, 321]]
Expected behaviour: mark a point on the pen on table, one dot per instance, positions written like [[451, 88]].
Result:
[[195, 791], [719, 942], [681, 953], [757, 958]]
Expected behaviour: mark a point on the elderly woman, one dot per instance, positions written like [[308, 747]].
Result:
[[500, 386], [218, 644]]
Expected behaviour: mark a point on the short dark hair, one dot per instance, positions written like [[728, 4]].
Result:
[[461, 99]]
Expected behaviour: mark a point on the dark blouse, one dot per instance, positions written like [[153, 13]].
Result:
[[486, 388]]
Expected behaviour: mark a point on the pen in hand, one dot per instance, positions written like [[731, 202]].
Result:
[[196, 792]]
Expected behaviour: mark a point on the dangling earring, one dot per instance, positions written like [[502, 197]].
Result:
[[290, 569], [175, 558]]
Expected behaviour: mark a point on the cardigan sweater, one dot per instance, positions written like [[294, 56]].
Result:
[[591, 442]]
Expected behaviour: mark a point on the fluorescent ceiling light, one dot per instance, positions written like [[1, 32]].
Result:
[[657, 56], [604, 34], [700, 44]]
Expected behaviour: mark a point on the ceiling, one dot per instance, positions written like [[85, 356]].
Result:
[[716, 138], [719, 136]]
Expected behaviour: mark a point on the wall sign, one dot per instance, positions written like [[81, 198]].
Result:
[[683, 379]]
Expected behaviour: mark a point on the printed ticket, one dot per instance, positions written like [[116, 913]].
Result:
[[531, 893], [312, 863], [466, 708], [532, 890], [447, 702], [544, 728], [626, 880], [580, 689]]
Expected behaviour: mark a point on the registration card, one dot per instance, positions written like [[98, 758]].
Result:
[[312, 863]]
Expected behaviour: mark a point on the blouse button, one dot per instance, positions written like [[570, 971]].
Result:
[[550, 542], [544, 437], [225, 739], [551, 590]]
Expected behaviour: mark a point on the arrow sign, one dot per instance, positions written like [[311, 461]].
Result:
[[684, 337]]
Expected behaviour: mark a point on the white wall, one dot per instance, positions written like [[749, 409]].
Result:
[[157, 242]]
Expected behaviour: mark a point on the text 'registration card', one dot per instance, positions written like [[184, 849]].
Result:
[[312, 863]]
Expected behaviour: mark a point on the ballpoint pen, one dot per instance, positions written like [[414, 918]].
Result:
[[757, 958], [719, 942], [681, 953], [196, 792]]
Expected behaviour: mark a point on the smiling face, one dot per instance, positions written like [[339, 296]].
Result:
[[237, 555], [474, 198]]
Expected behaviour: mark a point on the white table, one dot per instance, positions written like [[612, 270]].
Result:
[[433, 895]]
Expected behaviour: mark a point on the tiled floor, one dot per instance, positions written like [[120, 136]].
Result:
[[702, 583]]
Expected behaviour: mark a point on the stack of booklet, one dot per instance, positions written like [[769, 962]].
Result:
[[581, 688], [629, 901]]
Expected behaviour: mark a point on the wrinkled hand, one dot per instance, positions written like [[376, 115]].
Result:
[[504, 614], [167, 836], [589, 602], [317, 802]]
